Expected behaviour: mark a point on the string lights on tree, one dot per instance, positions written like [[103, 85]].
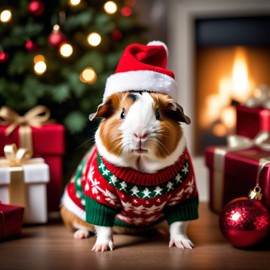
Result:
[[59, 53], [6, 16]]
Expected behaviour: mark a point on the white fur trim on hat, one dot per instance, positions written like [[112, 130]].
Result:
[[158, 43], [139, 81]]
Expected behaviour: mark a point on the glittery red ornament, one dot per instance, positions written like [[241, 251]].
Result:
[[245, 222], [30, 46], [36, 7], [56, 38], [3, 57]]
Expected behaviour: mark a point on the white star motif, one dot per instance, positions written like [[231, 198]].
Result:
[[123, 186], [158, 190], [138, 210], [110, 197], [185, 169], [101, 166], [87, 186], [152, 209], [135, 201], [105, 172], [83, 202], [78, 194], [178, 178], [124, 218], [146, 193], [169, 186], [127, 206], [113, 179], [134, 190], [190, 187], [80, 167], [138, 221]]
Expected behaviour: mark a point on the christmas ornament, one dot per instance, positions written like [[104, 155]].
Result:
[[245, 221], [117, 34], [30, 46], [56, 38], [3, 57], [36, 7]]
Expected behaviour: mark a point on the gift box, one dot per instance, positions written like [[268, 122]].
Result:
[[10, 221], [232, 174], [250, 121], [23, 182], [46, 140]]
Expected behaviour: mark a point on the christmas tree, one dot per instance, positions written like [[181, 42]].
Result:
[[59, 54]]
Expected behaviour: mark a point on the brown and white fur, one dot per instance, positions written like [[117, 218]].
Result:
[[140, 131]]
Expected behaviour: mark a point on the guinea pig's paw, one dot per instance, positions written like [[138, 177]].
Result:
[[181, 241], [103, 246], [104, 240], [81, 234]]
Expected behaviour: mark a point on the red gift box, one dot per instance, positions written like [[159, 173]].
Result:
[[10, 221], [33, 132], [250, 121], [232, 174]]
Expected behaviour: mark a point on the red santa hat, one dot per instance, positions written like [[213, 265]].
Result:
[[142, 68]]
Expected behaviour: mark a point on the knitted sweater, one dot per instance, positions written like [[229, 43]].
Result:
[[107, 195]]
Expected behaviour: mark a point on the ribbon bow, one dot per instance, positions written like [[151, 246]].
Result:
[[34, 117], [237, 142], [15, 157], [260, 99]]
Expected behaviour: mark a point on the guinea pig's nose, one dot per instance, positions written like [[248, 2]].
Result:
[[140, 136]]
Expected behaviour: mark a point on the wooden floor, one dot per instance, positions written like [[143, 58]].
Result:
[[52, 247]]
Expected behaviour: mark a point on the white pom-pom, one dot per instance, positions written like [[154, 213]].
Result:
[[158, 43]]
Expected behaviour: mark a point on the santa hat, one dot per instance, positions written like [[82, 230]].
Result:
[[142, 68]]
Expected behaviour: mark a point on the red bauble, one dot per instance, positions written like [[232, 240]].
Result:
[[36, 7], [30, 46], [117, 34], [56, 38], [244, 222], [3, 57]]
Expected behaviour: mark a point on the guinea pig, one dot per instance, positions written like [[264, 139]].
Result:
[[138, 173]]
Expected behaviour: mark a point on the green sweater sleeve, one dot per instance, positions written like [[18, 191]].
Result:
[[99, 214], [184, 211]]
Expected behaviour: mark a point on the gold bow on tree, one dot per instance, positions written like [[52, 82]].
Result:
[[35, 117]]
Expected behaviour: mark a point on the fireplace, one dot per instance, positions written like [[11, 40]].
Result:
[[220, 52], [232, 63]]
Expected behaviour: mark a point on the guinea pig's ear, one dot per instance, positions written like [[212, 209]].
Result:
[[104, 110], [177, 113]]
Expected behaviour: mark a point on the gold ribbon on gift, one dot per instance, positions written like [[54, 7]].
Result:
[[234, 143], [35, 117], [14, 159]]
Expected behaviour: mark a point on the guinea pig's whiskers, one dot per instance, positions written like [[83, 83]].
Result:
[[161, 146]]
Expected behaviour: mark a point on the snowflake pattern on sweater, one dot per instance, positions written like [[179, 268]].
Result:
[[125, 197]]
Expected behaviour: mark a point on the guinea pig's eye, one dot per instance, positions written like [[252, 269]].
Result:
[[157, 114], [123, 113]]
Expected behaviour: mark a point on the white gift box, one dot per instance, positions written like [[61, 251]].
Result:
[[32, 186]]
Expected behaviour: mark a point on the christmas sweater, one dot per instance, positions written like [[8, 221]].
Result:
[[107, 195]]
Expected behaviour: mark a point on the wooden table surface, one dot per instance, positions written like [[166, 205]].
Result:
[[52, 246]]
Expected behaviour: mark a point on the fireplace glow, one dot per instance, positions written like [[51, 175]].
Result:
[[237, 86], [241, 83]]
